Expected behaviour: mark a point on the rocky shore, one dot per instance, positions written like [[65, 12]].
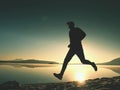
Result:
[[91, 84]]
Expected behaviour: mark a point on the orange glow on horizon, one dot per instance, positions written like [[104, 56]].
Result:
[[57, 52]]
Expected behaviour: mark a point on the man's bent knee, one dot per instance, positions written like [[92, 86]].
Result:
[[86, 62]]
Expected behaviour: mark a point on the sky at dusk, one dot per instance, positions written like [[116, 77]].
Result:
[[36, 29]]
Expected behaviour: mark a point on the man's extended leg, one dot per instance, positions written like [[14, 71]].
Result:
[[66, 60], [81, 56]]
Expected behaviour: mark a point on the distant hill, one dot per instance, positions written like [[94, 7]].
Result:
[[28, 61], [113, 62]]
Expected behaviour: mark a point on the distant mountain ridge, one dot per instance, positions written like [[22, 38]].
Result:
[[113, 62], [28, 61]]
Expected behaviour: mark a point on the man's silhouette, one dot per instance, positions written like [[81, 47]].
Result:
[[76, 35]]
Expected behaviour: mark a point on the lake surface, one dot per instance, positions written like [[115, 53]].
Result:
[[39, 73]]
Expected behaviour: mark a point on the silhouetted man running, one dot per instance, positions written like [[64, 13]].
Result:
[[76, 35]]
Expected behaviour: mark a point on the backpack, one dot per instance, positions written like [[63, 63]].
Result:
[[81, 34]]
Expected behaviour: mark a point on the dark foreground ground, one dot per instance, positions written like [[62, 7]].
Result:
[[91, 84]]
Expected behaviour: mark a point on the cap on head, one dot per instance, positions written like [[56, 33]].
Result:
[[70, 23]]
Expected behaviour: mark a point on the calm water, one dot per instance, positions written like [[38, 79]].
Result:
[[44, 73]]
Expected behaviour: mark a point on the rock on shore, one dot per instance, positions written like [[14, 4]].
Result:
[[91, 84]]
